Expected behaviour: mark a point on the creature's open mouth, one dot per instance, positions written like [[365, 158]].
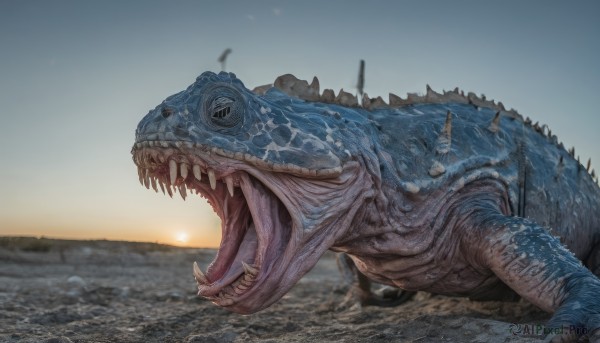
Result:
[[256, 224]]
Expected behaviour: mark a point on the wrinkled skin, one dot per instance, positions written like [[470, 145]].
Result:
[[447, 197]]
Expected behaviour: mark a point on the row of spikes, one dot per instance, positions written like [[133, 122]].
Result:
[[588, 166], [301, 89], [444, 141]]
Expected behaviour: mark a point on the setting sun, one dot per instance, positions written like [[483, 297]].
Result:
[[181, 237]]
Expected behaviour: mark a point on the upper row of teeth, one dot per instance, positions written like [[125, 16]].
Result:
[[183, 169]]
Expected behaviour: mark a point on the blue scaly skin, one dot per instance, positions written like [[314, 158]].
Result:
[[444, 193]]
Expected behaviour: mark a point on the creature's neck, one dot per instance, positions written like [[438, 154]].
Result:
[[381, 220]]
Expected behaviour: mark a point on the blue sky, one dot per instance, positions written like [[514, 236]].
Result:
[[77, 76]]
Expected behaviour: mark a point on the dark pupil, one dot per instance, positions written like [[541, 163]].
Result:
[[222, 113], [166, 112]]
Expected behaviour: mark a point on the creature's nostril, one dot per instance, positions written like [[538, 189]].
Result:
[[166, 112]]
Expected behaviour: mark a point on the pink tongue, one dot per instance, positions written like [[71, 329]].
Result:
[[245, 253]]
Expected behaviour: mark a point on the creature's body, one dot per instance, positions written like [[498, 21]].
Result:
[[442, 193]]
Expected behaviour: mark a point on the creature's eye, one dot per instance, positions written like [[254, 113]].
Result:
[[223, 108], [166, 112]]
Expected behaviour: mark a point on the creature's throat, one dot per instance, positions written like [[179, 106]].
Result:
[[256, 224]]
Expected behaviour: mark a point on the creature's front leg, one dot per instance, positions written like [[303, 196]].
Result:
[[537, 266]]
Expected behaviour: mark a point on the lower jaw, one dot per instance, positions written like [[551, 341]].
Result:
[[257, 287], [234, 292], [242, 266], [261, 249]]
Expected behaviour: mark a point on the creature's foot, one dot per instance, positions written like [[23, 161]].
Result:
[[388, 296], [540, 269], [578, 317], [364, 292]]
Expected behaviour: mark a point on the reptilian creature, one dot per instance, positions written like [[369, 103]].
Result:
[[445, 193]]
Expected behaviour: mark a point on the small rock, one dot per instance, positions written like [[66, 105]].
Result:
[[76, 282], [61, 315], [58, 340], [175, 296], [222, 337], [123, 292]]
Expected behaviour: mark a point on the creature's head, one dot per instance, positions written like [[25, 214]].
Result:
[[284, 176]]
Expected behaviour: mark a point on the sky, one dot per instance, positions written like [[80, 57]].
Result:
[[77, 76]]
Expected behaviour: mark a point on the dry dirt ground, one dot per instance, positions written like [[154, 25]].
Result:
[[102, 291]]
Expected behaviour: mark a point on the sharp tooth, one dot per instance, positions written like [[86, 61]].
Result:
[[162, 188], [196, 171], [229, 182], [140, 176], [173, 171], [147, 178], [182, 191], [154, 186], [184, 170], [249, 270], [212, 179], [200, 277], [169, 191]]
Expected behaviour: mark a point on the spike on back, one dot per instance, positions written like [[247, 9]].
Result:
[[291, 85], [396, 101], [373, 103], [448, 124], [445, 138], [328, 96], [366, 102], [495, 125], [589, 164], [346, 99]]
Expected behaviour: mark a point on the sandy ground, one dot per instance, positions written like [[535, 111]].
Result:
[[101, 291]]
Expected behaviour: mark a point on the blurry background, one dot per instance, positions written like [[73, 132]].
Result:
[[77, 76]]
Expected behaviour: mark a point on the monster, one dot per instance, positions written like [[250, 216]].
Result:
[[443, 192]]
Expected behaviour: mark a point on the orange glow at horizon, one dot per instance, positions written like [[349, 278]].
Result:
[[176, 235], [137, 216], [191, 241]]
